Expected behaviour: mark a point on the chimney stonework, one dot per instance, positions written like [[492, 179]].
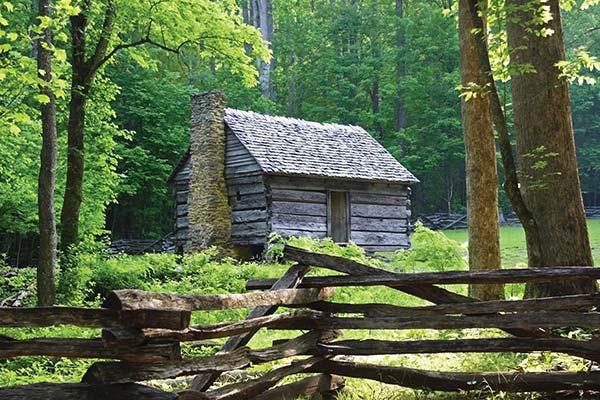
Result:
[[209, 212]]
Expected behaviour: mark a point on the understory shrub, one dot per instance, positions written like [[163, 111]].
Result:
[[431, 251]]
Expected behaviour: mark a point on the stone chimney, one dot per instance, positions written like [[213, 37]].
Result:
[[209, 213]]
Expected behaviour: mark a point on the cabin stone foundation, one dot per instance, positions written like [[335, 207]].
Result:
[[209, 212]]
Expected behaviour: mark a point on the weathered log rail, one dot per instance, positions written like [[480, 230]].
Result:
[[143, 332]]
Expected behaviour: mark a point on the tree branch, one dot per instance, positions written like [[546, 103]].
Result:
[[104, 40]]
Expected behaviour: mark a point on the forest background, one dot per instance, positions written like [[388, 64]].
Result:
[[389, 66]]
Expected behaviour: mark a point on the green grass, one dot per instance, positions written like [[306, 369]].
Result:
[[512, 243]]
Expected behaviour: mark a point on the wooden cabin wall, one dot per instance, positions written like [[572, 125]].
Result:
[[247, 199], [379, 213], [181, 185]]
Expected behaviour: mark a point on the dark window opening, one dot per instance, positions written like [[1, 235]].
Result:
[[238, 196], [338, 217]]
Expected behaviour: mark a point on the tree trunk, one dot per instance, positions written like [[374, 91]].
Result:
[[400, 44], [47, 257], [262, 13], [80, 83], [546, 149], [480, 156]]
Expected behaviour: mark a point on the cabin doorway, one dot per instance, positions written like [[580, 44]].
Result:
[[338, 216]]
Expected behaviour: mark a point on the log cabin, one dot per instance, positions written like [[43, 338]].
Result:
[[247, 175]]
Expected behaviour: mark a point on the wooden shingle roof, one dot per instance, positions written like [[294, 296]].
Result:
[[290, 146]]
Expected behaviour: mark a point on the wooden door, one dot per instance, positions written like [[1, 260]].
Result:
[[338, 217]]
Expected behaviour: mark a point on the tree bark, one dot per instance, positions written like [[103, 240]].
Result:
[[400, 70], [480, 157], [545, 147], [46, 286], [263, 20], [69, 218]]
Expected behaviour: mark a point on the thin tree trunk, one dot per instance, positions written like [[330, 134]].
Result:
[[69, 218], [480, 156], [262, 13], [47, 257], [545, 147], [400, 69]]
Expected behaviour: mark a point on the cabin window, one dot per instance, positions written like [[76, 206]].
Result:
[[238, 195], [338, 216]]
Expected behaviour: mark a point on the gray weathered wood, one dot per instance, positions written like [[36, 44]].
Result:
[[304, 388], [304, 196], [317, 184], [530, 320], [131, 299], [483, 307], [379, 238], [290, 279], [500, 345], [375, 210], [445, 277], [244, 216], [242, 169], [224, 329], [298, 208], [379, 224], [82, 391], [248, 202], [382, 199], [89, 348], [93, 317], [249, 228], [244, 189], [299, 222], [465, 381], [286, 233], [120, 372], [254, 387]]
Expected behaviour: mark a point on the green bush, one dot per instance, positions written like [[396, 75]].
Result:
[[431, 251]]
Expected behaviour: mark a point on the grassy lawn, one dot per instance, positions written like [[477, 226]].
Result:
[[512, 243]]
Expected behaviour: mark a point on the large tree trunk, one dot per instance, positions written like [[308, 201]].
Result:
[[546, 149], [47, 257], [480, 156]]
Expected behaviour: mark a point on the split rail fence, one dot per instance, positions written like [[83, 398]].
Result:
[[143, 332]]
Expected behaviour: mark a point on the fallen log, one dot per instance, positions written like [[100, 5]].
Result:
[[124, 336], [81, 391], [482, 307], [444, 278], [254, 387], [464, 381], [290, 279], [497, 345], [89, 348], [501, 321], [115, 372], [93, 317], [131, 299]]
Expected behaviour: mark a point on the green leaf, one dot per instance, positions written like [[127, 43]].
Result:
[[42, 98]]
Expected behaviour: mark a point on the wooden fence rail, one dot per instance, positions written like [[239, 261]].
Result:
[[143, 332]]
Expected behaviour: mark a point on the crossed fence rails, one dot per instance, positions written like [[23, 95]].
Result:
[[143, 331]]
